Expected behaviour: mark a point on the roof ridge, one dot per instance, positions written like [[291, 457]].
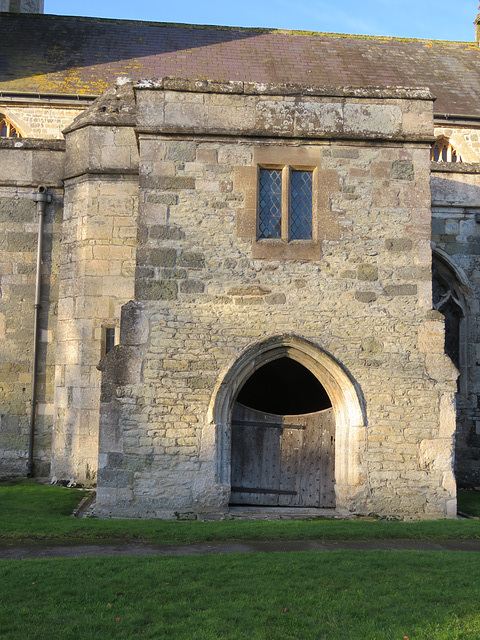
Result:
[[259, 30]]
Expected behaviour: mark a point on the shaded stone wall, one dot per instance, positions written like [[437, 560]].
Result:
[[204, 299], [456, 239], [22, 170]]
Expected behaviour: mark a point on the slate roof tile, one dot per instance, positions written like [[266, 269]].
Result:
[[59, 54]]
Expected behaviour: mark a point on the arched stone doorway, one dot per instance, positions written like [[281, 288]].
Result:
[[283, 439], [347, 409]]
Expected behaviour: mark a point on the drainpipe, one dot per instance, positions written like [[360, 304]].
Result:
[[41, 198]]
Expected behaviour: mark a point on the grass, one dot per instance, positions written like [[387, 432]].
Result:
[[469, 502], [340, 595], [31, 512]]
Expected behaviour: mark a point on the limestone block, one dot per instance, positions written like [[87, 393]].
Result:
[[240, 117], [436, 455], [312, 117], [448, 417], [431, 337], [418, 118], [368, 119], [15, 164], [185, 116], [275, 116], [451, 508], [440, 367]]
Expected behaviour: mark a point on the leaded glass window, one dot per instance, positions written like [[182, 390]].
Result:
[[270, 204], [301, 205], [285, 204]]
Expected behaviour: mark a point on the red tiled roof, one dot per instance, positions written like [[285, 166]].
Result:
[[56, 54]]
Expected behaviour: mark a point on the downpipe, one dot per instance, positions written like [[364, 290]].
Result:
[[41, 197]]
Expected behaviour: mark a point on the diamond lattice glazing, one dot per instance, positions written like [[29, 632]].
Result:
[[301, 205], [270, 204]]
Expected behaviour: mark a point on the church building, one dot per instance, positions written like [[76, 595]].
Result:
[[238, 267]]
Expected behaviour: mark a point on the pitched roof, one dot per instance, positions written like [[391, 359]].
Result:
[[58, 54]]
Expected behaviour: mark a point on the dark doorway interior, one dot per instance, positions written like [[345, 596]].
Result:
[[284, 387]]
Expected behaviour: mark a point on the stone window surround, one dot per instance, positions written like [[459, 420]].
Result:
[[306, 158], [459, 286], [443, 144], [109, 326], [5, 121]]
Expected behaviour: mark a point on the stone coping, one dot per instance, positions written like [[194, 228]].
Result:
[[170, 83], [455, 167], [38, 144]]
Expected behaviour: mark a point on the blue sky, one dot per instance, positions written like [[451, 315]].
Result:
[[437, 19]]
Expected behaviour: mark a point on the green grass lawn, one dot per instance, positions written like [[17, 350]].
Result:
[[340, 595], [30, 512]]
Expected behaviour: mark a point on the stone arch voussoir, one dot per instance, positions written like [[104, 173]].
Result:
[[344, 393]]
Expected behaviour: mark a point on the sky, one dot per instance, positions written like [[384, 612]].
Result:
[[431, 19]]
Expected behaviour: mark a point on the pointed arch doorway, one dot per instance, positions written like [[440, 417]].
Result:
[[283, 439]]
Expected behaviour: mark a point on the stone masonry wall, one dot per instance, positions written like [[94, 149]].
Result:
[[456, 235], [465, 141], [40, 120], [22, 170], [96, 278], [204, 299]]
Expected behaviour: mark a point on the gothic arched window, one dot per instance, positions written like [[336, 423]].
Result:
[[449, 300], [8, 129], [444, 151]]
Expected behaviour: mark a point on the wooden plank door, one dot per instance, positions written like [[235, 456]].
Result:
[[283, 460], [255, 457], [308, 460]]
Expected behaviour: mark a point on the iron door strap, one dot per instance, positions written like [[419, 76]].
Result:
[[259, 490], [267, 425]]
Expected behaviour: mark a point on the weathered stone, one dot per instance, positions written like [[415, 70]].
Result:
[[399, 244], [181, 151], [192, 286], [402, 170], [365, 296], [164, 232], [252, 290], [134, 327], [367, 272], [21, 242], [162, 290], [276, 298], [163, 183], [191, 260], [400, 290], [163, 257]]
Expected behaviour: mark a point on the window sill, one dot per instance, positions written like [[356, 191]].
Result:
[[281, 250]]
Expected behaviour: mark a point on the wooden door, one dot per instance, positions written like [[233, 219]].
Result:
[[283, 460]]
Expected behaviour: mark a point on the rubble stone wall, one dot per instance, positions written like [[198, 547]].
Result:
[[204, 299], [40, 120], [465, 141], [456, 241], [22, 170], [97, 266]]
